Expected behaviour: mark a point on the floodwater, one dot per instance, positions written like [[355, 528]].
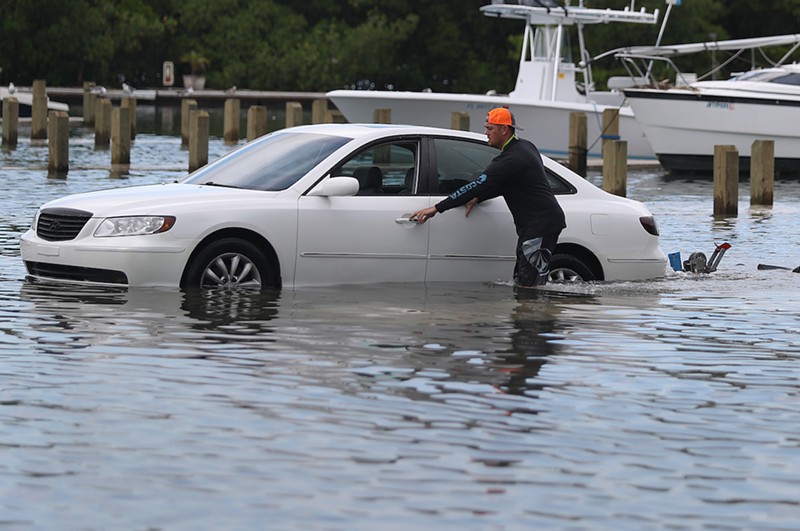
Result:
[[631, 405]]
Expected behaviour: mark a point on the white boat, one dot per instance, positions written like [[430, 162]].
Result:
[[684, 122], [546, 90], [25, 99]]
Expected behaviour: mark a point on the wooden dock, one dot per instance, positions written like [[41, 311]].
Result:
[[205, 98]]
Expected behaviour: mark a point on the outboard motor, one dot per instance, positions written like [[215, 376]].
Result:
[[698, 263]]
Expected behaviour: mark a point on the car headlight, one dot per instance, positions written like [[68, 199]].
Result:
[[134, 226]]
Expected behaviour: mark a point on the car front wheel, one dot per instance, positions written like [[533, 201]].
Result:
[[566, 268], [230, 263]]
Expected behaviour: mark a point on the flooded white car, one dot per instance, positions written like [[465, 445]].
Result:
[[326, 205]]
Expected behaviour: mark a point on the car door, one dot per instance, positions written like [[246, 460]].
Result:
[[477, 248], [367, 237]]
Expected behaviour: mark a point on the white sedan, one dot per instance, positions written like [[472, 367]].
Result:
[[329, 204]]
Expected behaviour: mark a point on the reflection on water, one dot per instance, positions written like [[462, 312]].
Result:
[[629, 405], [412, 325], [437, 404]]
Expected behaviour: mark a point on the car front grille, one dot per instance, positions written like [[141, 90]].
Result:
[[61, 224], [75, 273]]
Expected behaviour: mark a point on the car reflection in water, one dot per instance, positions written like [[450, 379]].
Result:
[[388, 338]]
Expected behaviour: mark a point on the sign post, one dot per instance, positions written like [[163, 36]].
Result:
[[168, 73]]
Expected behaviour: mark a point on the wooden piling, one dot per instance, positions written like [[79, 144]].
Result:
[[39, 110], [130, 104], [335, 116], [319, 111], [166, 118], [382, 116], [578, 143], [88, 102], [198, 139], [726, 181], [187, 106], [256, 122], [102, 123], [459, 121], [10, 122], [58, 144], [615, 167], [232, 121], [294, 113], [121, 136], [610, 126], [762, 172]]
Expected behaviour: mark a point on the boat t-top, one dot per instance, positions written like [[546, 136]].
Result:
[[547, 88]]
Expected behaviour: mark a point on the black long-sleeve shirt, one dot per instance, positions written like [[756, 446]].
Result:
[[517, 174]]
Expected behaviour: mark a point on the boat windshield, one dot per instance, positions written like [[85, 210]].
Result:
[[759, 75], [272, 163], [788, 79]]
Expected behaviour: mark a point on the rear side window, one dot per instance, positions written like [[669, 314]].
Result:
[[559, 186], [459, 162]]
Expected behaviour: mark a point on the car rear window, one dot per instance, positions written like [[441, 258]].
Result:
[[271, 164]]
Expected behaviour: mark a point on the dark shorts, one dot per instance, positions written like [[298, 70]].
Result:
[[533, 260]]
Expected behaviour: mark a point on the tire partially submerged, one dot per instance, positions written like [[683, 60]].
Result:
[[565, 268], [231, 264]]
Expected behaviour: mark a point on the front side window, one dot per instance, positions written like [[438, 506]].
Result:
[[272, 163], [383, 169]]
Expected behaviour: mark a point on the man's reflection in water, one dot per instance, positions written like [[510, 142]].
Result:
[[535, 325]]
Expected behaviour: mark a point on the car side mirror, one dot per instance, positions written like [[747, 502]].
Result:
[[336, 186]]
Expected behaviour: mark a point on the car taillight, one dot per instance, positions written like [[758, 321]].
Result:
[[649, 224]]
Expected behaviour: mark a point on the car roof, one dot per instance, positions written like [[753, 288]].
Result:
[[357, 130], [368, 131]]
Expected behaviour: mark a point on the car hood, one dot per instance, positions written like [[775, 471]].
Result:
[[157, 199]]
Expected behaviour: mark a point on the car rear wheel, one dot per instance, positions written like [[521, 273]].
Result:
[[566, 268], [230, 264]]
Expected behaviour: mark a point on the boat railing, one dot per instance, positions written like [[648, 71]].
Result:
[[539, 12], [638, 60], [544, 71], [640, 71]]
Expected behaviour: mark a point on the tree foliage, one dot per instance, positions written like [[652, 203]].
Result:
[[319, 45]]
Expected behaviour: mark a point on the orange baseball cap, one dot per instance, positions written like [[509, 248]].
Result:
[[502, 116]]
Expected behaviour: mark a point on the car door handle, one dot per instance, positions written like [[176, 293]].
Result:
[[406, 220]]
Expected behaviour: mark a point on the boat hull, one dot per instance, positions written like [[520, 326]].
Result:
[[546, 123], [683, 126], [25, 100]]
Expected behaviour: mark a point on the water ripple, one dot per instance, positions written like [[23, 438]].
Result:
[[629, 405]]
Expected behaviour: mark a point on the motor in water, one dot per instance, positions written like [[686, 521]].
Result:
[[697, 261]]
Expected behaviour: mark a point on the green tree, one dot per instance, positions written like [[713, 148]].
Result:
[[318, 45], [241, 38], [67, 41], [333, 55]]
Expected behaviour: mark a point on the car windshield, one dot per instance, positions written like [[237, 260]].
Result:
[[273, 163]]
